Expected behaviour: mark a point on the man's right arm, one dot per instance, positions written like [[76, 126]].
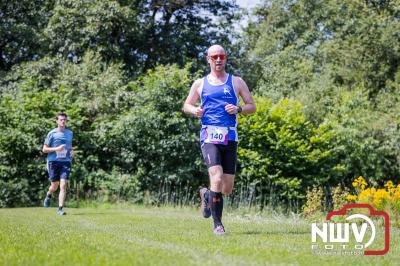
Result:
[[189, 105], [47, 149]]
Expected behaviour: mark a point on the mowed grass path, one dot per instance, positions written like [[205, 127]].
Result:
[[161, 236]]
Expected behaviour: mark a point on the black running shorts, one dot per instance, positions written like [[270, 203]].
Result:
[[219, 154]]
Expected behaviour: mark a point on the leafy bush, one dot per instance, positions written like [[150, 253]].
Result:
[[153, 140], [129, 137], [282, 152]]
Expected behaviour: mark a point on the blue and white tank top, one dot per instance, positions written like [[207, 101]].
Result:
[[213, 101]]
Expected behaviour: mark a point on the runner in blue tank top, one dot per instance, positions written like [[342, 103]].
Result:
[[219, 93], [58, 146]]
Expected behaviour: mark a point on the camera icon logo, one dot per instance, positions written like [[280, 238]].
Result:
[[335, 236]]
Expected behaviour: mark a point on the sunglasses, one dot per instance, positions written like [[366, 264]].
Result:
[[220, 56]]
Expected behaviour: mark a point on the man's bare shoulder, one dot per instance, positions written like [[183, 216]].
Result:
[[198, 85], [238, 82], [198, 82]]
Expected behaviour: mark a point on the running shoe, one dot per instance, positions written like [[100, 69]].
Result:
[[219, 230], [205, 209], [61, 212], [46, 202]]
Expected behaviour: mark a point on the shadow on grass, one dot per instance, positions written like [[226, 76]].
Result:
[[88, 213]]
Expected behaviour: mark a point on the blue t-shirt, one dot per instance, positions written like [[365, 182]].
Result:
[[213, 101], [56, 138]]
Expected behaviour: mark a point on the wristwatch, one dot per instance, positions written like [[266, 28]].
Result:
[[239, 109]]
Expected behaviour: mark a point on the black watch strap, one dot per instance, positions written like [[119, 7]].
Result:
[[239, 109]]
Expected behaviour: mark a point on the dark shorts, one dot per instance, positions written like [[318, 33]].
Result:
[[219, 154], [58, 170]]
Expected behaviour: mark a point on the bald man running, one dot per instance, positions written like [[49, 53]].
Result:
[[219, 93]]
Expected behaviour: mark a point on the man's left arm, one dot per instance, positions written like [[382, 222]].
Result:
[[249, 106], [71, 151]]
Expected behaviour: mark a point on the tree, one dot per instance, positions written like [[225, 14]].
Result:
[[307, 45], [21, 27], [340, 59], [142, 33]]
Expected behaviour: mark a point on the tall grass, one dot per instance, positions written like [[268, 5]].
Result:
[[244, 196]]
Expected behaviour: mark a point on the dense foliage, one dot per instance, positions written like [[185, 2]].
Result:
[[340, 59], [129, 137]]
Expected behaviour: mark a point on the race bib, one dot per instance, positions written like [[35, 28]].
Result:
[[61, 154], [216, 135]]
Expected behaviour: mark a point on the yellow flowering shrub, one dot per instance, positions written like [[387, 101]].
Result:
[[360, 184], [387, 198]]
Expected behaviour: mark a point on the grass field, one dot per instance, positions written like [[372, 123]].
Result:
[[162, 236]]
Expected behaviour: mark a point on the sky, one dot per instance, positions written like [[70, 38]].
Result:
[[247, 3]]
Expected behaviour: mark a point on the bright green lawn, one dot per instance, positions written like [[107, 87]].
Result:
[[161, 236]]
